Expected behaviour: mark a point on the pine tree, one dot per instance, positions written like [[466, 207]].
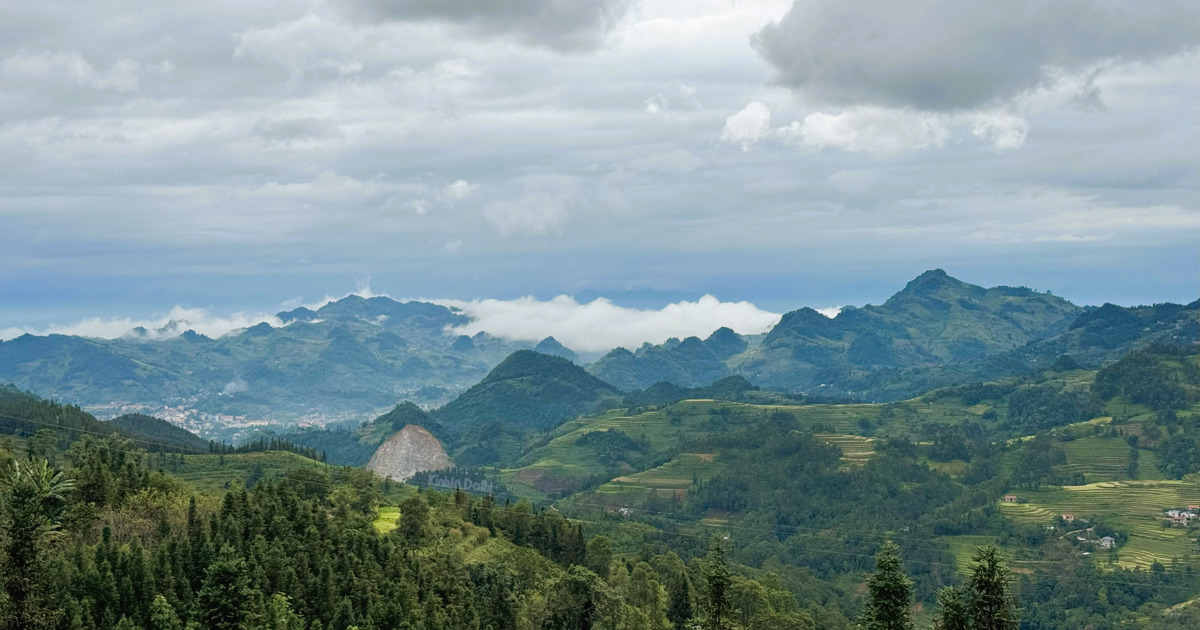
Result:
[[225, 597], [952, 613], [162, 615], [680, 609], [889, 593], [718, 609], [991, 607]]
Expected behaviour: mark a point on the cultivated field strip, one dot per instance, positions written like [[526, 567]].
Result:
[[1134, 506]]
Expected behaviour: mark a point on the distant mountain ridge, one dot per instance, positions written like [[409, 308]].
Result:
[[936, 331], [349, 357], [359, 356]]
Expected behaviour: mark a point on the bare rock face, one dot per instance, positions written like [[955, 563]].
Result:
[[410, 451]]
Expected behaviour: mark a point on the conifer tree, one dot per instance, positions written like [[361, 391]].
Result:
[[225, 596], [718, 610], [889, 593], [162, 615], [991, 607], [952, 613]]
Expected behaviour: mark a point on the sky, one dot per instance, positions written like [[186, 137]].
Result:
[[222, 159]]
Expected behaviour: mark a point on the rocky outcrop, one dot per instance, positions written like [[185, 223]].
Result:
[[408, 452]]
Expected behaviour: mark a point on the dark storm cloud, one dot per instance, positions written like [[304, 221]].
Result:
[[564, 25], [956, 54]]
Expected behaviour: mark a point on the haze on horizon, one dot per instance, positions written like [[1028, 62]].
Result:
[[225, 157]]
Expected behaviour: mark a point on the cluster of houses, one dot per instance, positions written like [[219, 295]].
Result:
[[1183, 517]]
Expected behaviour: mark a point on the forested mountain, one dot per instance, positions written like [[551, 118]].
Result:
[[351, 356], [937, 331], [148, 429], [527, 393]]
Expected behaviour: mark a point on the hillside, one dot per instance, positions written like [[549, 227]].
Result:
[[151, 430], [526, 393], [1128, 430], [23, 414]]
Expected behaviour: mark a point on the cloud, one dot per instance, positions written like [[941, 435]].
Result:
[[71, 68], [534, 213], [171, 324], [1005, 131], [881, 130], [600, 325], [457, 190], [949, 54], [869, 130], [564, 25], [293, 130], [328, 186], [670, 161], [747, 126]]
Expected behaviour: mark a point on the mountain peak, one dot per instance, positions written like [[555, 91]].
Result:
[[527, 363], [933, 282], [552, 346]]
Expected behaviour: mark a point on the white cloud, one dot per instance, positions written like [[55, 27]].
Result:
[[882, 130], [453, 247], [171, 324], [1005, 131], [601, 325], [420, 206], [747, 126], [869, 130], [458, 190], [71, 67]]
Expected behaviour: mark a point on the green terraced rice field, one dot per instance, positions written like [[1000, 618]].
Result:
[[669, 481], [1098, 458], [386, 521], [1134, 506], [963, 549], [856, 450]]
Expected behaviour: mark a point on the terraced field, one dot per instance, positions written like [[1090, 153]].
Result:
[[670, 481], [963, 549], [386, 521], [856, 449], [1134, 506], [1098, 458]]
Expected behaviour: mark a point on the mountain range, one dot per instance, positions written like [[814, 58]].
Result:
[[358, 356]]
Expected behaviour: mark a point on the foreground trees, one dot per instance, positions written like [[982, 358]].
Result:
[[33, 500], [983, 603], [889, 593]]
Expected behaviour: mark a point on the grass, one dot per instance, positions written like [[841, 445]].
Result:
[[1132, 506], [386, 521]]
